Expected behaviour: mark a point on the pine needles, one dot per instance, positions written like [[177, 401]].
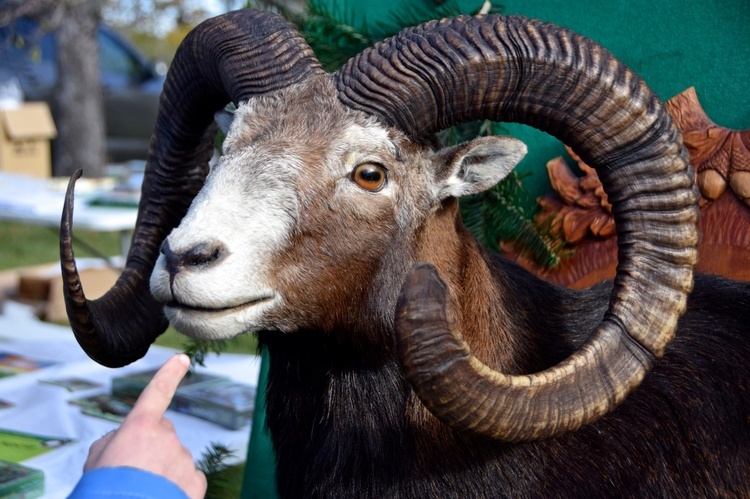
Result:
[[413, 14], [214, 459], [331, 31], [197, 350], [503, 213], [499, 214], [223, 480], [331, 34]]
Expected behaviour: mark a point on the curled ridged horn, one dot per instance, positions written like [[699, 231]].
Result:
[[228, 58], [441, 73]]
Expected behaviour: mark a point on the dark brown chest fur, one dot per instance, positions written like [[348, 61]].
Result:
[[345, 429]]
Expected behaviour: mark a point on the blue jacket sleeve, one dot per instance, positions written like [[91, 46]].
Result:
[[123, 482]]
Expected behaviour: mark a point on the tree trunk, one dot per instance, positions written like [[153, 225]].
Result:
[[80, 115]]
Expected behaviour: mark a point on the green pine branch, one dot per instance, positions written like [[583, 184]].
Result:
[[223, 480], [197, 350], [331, 34], [499, 214], [414, 14], [330, 30], [214, 459]]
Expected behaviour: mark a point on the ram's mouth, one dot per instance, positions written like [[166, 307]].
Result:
[[176, 305]]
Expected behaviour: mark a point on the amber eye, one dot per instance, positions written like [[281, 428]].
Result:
[[369, 176]]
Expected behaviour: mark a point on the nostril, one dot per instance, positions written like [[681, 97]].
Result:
[[199, 255], [171, 259], [204, 254]]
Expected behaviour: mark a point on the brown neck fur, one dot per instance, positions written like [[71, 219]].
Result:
[[464, 266]]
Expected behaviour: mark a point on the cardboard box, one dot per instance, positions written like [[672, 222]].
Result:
[[25, 134], [43, 284], [95, 281]]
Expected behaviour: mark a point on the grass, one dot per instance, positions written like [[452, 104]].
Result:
[[25, 245]]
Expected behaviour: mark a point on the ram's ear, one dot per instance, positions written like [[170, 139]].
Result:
[[477, 165]]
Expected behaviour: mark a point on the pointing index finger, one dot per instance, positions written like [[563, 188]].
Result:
[[158, 394]]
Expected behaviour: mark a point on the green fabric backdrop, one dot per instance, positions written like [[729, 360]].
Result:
[[259, 480]]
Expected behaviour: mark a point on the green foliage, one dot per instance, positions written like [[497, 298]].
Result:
[[500, 213], [197, 350], [331, 35], [214, 459], [155, 47], [413, 14], [223, 480]]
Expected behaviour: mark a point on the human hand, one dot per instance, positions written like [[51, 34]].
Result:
[[148, 441]]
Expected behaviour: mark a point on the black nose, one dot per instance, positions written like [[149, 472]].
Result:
[[199, 256]]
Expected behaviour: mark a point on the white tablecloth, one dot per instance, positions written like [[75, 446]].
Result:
[[43, 409], [36, 201]]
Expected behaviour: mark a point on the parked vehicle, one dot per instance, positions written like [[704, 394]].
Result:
[[130, 82]]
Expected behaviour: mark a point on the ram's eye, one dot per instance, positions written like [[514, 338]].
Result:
[[369, 176]]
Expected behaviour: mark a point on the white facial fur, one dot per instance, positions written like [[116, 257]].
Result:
[[252, 219]]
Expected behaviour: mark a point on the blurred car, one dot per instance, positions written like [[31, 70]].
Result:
[[131, 84]]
